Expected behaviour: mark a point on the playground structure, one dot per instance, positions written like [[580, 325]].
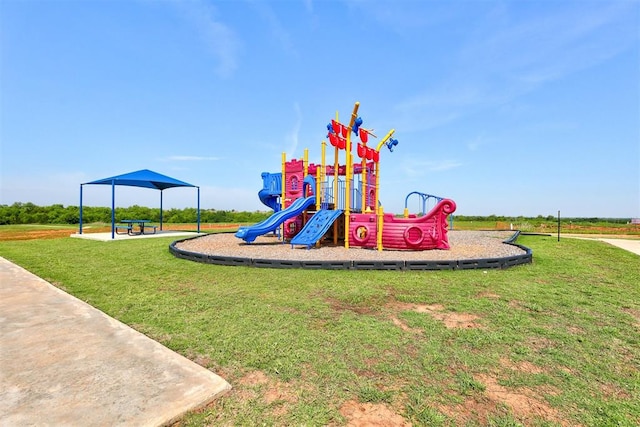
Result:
[[426, 199], [339, 202]]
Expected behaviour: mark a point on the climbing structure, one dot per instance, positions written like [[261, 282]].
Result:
[[339, 203]]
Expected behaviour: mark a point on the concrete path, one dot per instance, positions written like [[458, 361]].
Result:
[[106, 237], [629, 245], [63, 362]]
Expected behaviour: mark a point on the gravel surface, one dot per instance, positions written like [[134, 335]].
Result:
[[464, 245]]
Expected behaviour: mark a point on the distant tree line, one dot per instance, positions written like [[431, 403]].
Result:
[[541, 219], [28, 213]]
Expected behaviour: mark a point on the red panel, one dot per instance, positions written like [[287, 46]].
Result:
[[426, 232], [364, 135], [363, 231]]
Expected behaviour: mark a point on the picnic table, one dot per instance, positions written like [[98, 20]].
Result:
[[127, 226]]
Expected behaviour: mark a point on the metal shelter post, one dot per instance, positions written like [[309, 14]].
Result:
[[80, 230], [113, 209], [161, 210], [198, 209]]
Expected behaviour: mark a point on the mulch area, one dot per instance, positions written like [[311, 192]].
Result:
[[464, 245]]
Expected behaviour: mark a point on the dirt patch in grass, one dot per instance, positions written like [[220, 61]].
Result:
[[39, 234], [635, 314], [525, 403], [57, 233], [477, 409], [437, 311], [399, 323], [371, 414], [257, 384], [613, 392]]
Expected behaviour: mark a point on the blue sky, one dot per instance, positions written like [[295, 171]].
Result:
[[507, 107]]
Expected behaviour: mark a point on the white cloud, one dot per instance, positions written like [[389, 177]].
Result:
[[308, 5], [219, 38], [479, 141], [548, 47], [509, 56], [294, 134], [275, 27], [405, 18]]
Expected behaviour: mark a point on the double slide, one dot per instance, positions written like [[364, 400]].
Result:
[[249, 234], [317, 226]]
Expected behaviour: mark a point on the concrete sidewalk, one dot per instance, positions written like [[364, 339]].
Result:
[[63, 362], [631, 245], [628, 245], [106, 237]]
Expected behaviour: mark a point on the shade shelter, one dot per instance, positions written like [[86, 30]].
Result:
[[142, 178]]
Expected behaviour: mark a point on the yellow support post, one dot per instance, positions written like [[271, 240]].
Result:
[[321, 175], [284, 180], [317, 189], [349, 175], [336, 176], [283, 184], [379, 209], [305, 166], [305, 171], [379, 222]]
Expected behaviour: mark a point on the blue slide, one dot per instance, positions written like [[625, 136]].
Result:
[[270, 200], [271, 190], [249, 234], [316, 227]]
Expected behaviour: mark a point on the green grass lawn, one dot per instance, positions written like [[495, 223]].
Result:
[[556, 342]]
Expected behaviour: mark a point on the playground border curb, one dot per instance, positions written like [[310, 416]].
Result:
[[465, 264]]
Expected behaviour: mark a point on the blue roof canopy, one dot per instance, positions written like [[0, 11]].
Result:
[[143, 178]]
